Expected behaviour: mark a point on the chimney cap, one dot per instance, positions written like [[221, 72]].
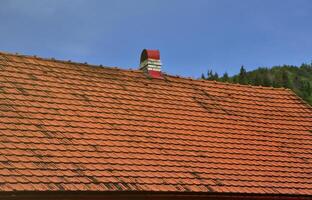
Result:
[[150, 54]]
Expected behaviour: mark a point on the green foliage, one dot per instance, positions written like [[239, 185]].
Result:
[[242, 77], [211, 76], [225, 77], [299, 79]]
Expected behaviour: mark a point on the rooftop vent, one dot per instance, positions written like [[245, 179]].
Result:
[[150, 63]]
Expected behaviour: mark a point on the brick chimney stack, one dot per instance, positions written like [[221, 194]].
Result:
[[150, 63]]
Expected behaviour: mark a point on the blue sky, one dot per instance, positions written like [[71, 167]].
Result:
[[192, 35]]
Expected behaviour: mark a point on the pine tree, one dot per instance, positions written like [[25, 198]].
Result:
[[210, 75], [266, 80], [285, 80], [215, 76], [257, 81], [242, 77], [225, 77]]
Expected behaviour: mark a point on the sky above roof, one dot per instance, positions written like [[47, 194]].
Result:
[[192, 36]]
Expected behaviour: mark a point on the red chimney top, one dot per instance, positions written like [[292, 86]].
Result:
[[150, 54]]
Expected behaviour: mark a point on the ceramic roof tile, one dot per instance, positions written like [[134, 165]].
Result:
[[76, 127]]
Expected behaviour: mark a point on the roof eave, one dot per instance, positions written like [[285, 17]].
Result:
[[123, 195]]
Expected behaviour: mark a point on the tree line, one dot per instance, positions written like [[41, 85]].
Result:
[[296, 78]]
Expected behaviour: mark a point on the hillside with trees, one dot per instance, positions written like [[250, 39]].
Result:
[[298, 79]]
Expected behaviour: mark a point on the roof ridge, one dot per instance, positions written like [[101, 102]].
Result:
[[52, 59]]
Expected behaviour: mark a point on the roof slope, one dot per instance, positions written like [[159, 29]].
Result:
[[75, 127]]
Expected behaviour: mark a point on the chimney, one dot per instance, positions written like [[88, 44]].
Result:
[[150, 63]]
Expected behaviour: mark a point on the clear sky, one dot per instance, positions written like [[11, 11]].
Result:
[[192, 35]]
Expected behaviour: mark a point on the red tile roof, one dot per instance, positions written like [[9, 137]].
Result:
[[75, 127]]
